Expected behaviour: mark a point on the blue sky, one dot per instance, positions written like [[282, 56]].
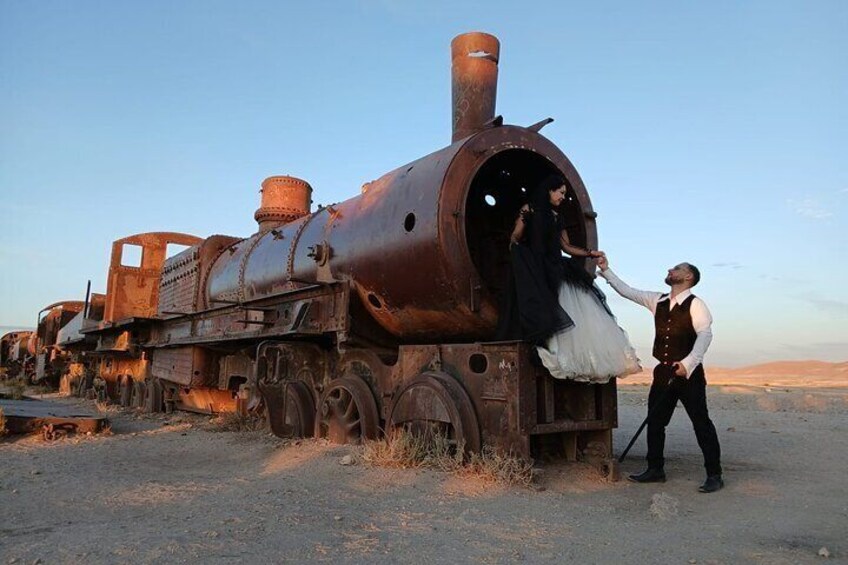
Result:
[[710, 132]]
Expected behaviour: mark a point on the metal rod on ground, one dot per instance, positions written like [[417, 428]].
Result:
[[645, 422]]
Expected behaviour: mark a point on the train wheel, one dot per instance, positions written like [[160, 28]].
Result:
[[436, 402], [298, 417], [153, 396], [138, 394], [125, 391], [348, 412]]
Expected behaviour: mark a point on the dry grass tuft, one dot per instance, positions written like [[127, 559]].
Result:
[[493, 466], [236, 422], [107, 407], [403, 449], [17, 388], [3, 429]]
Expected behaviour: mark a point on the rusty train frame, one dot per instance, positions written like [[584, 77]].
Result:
[[362, 316]]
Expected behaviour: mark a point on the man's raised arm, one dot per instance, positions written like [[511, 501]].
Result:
[[646, 298]]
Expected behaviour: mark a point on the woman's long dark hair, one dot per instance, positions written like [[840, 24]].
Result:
[[544, 224]]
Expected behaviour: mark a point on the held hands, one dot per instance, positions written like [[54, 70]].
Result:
[[603, 263]]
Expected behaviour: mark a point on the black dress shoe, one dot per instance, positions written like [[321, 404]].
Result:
[[651, 475], [712, 484]]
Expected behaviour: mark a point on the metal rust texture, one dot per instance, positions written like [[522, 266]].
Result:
[[284, 199], [187, 366], [30, 415], [15, 349], [495, 394], [474, 82], [71, 336], [181, 286], [423, 248], [132, 290], [50, 356], [310, 311]]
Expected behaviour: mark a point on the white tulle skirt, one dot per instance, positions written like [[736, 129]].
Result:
[[595, 349]]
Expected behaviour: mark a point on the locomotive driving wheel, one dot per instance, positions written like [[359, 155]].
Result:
[[125, 390], [348, 412], [139, 392], [434, 402]]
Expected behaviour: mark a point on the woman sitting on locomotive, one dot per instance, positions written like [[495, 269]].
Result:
[[552, 301]]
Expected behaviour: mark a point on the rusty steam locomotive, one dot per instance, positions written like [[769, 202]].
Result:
[[374, 313]]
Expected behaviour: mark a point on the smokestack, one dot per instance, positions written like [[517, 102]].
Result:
[[284, 199], [474, 81]]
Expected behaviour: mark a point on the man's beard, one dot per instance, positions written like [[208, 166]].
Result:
[[670, 280]]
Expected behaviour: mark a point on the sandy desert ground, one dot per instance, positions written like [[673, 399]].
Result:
[[171, 489]]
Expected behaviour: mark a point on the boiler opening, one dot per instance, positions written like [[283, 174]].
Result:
[[498, 191]]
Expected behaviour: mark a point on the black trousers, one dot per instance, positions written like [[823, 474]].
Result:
[[662, 400]]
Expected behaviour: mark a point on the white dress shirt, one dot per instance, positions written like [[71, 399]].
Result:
[[702, 320]]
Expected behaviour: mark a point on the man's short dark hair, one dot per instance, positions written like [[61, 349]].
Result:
[[696, 274]]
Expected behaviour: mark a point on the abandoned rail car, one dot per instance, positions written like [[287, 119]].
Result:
[[17, 349]]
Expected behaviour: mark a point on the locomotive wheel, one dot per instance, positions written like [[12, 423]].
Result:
[[436, 402], [298, 418], [125, 391], [153, 396], [138, 394], [348, 412]]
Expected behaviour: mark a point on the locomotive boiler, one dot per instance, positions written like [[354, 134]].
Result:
[[378, 312]]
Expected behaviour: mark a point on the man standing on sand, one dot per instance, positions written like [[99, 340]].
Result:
[[683, 334]]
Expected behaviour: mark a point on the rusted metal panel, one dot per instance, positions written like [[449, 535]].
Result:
[[15, 347], [186, 366], [179, 282], [132, 291], [310, 311], [204, 400], [30, 415], [508, 393]]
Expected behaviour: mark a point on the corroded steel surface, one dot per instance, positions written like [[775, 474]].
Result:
[[29, 415], [474, 82], [15, 346], [132, 291], [411, 244], [284, 199]]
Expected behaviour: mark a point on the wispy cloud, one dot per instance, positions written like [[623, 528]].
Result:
[[809, 208], [729, 265], [835, 307]]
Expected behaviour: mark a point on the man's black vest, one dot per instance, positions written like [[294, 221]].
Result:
[[675, 335]]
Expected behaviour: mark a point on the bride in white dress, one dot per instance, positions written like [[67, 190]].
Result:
[[577, 336]]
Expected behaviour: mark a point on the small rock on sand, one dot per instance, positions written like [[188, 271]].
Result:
[[663, 506], [346, 460], [823, 552]]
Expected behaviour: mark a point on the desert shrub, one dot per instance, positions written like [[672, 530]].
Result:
[[3, 429], [17, 388], [237, 422], [403, 449]]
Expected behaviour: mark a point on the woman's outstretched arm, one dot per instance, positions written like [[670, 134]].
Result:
[[575, 251]]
